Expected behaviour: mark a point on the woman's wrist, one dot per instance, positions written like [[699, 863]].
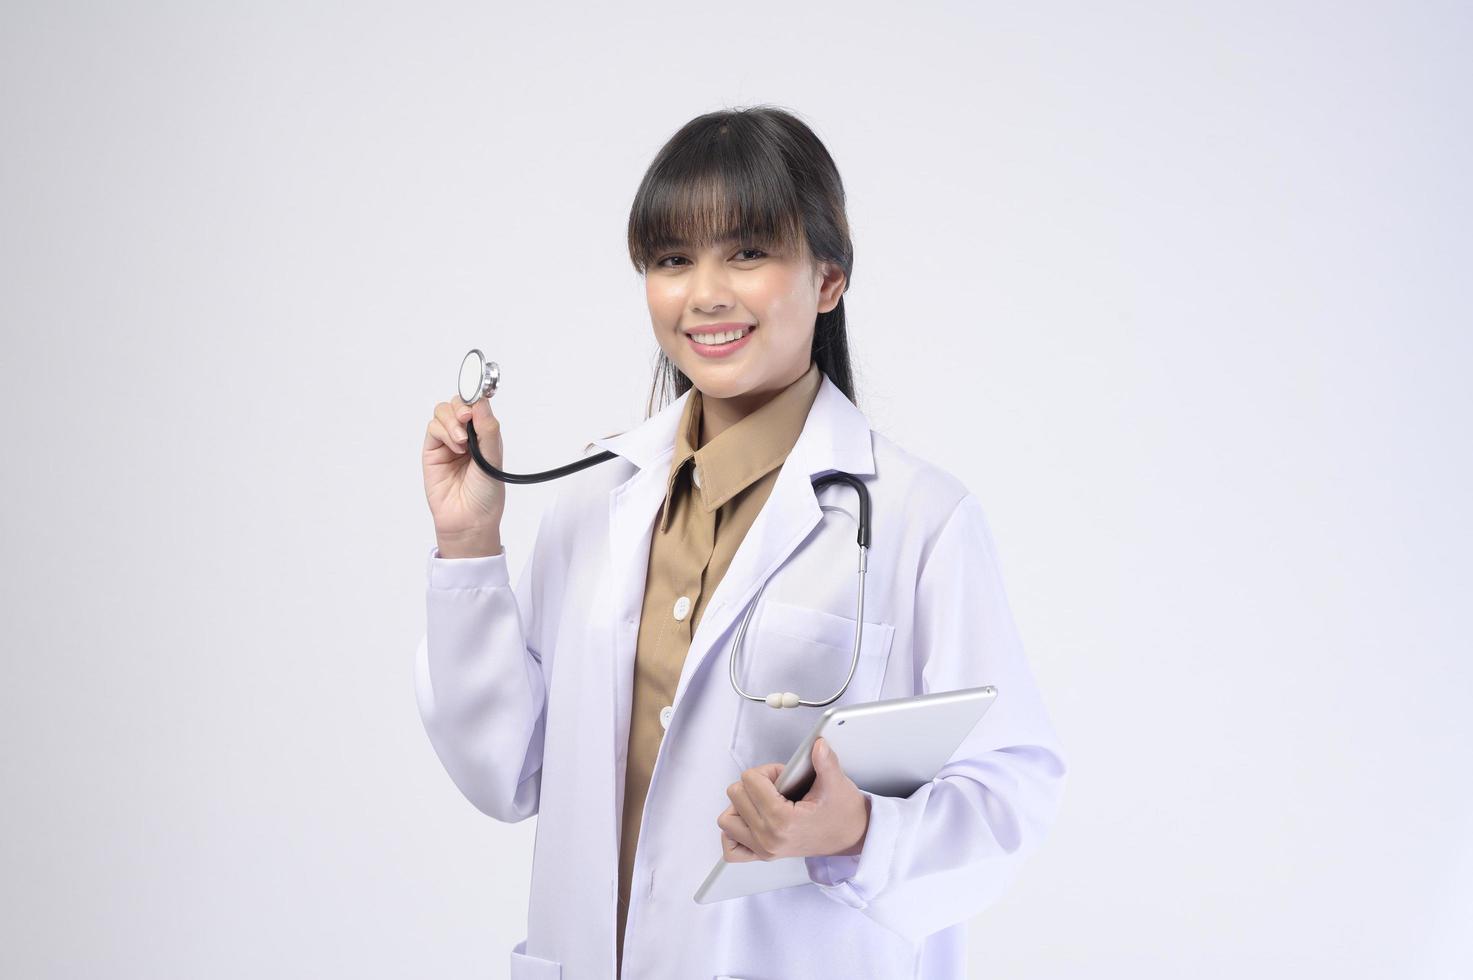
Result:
[[469, 546]]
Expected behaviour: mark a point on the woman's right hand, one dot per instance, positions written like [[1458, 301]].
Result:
[[465, 503]]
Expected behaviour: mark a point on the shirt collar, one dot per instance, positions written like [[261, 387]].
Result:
[[745, 452], [836, 437]]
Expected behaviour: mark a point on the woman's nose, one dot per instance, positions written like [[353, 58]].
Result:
[[710, 289]]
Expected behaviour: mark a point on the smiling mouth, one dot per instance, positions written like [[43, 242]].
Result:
[[719, 338]]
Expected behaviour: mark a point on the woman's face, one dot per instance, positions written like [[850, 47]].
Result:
[[774, 297]]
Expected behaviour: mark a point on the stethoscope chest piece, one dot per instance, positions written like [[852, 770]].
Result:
[[478, 377]]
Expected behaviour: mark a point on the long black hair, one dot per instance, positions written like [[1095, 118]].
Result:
[[759, 174]]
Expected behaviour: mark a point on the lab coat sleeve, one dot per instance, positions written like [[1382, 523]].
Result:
[[947, 851], [481, 679]]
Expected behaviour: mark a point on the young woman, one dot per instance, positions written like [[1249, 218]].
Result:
[[597, 694]]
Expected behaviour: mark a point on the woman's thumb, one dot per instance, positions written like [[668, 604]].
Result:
[[487, 431]]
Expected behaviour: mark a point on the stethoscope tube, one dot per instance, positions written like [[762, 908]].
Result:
[[788, 699], [524, 478], [480, 378]]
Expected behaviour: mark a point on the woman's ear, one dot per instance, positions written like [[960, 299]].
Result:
[[831, 286]]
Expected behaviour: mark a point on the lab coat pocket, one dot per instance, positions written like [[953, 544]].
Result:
[[806, 651], [524, 967]]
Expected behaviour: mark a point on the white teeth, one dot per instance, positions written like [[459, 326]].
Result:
[[712, 339]]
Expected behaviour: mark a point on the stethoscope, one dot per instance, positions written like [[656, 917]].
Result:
[[479, 378]]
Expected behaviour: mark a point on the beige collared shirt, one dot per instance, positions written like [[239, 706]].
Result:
[[712, 496]]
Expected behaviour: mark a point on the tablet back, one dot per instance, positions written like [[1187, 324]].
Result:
[[890, 747]]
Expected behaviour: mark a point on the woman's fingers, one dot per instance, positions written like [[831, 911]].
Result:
[[437, 431], [740, 832], [732, 851], [744, 807], [451, 421]]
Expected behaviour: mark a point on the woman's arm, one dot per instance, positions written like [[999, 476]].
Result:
[[481, 674], [947, 851]]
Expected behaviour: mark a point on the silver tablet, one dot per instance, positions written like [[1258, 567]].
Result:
[[891, 748]]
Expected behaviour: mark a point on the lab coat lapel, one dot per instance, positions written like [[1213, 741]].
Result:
[[633, 506], [835, 436]]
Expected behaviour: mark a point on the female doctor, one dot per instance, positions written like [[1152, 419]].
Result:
[[596, 692]]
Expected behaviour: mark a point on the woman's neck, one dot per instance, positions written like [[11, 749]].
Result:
[[720, 414]]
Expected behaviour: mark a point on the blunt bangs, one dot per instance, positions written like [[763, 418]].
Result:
[[713, 189]]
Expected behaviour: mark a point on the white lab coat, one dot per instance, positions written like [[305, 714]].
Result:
[[525, 696]]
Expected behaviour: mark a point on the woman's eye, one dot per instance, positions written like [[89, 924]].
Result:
[[742, 255]]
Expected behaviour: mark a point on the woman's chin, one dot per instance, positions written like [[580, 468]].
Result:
[[720, 383], [720, 379]]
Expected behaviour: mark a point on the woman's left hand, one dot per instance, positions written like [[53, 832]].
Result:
[[760, 824]]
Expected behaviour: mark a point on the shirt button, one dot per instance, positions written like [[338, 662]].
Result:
[[682, 606], [665, 715], [695, 475]]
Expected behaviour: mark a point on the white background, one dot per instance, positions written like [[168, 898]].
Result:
[[1179, 290]]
